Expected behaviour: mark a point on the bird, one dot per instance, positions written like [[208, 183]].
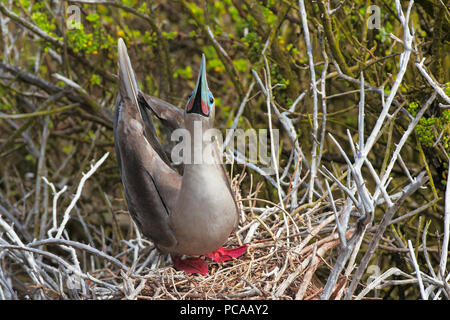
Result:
[[186, 215]]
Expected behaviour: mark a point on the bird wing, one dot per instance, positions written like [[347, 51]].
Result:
[[169, 115], [151, 185]]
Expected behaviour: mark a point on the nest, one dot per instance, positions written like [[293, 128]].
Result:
[[270, 269]]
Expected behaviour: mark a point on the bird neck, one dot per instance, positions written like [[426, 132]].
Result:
[[203, 150]]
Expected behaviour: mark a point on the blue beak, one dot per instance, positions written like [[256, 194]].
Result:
[[198, 101]]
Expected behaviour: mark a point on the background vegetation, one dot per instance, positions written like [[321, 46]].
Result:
[[58, 87]]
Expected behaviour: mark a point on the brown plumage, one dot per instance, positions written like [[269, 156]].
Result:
[[191, 214]]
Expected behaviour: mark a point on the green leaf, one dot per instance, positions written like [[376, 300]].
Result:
[[95, 79]]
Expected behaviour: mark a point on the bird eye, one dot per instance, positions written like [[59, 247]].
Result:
[[211, 100]]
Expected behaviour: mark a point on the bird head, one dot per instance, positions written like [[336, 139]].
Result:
[[200, 103]]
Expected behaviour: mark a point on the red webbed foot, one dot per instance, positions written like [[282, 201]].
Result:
[[190, 265], [198, 265], [225, 254]]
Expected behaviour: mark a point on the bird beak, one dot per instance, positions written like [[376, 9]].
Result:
[[198, 101]]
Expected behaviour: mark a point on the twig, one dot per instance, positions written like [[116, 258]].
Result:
[[78, 194]]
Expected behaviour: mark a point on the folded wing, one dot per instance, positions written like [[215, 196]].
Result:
[[151, 185]]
